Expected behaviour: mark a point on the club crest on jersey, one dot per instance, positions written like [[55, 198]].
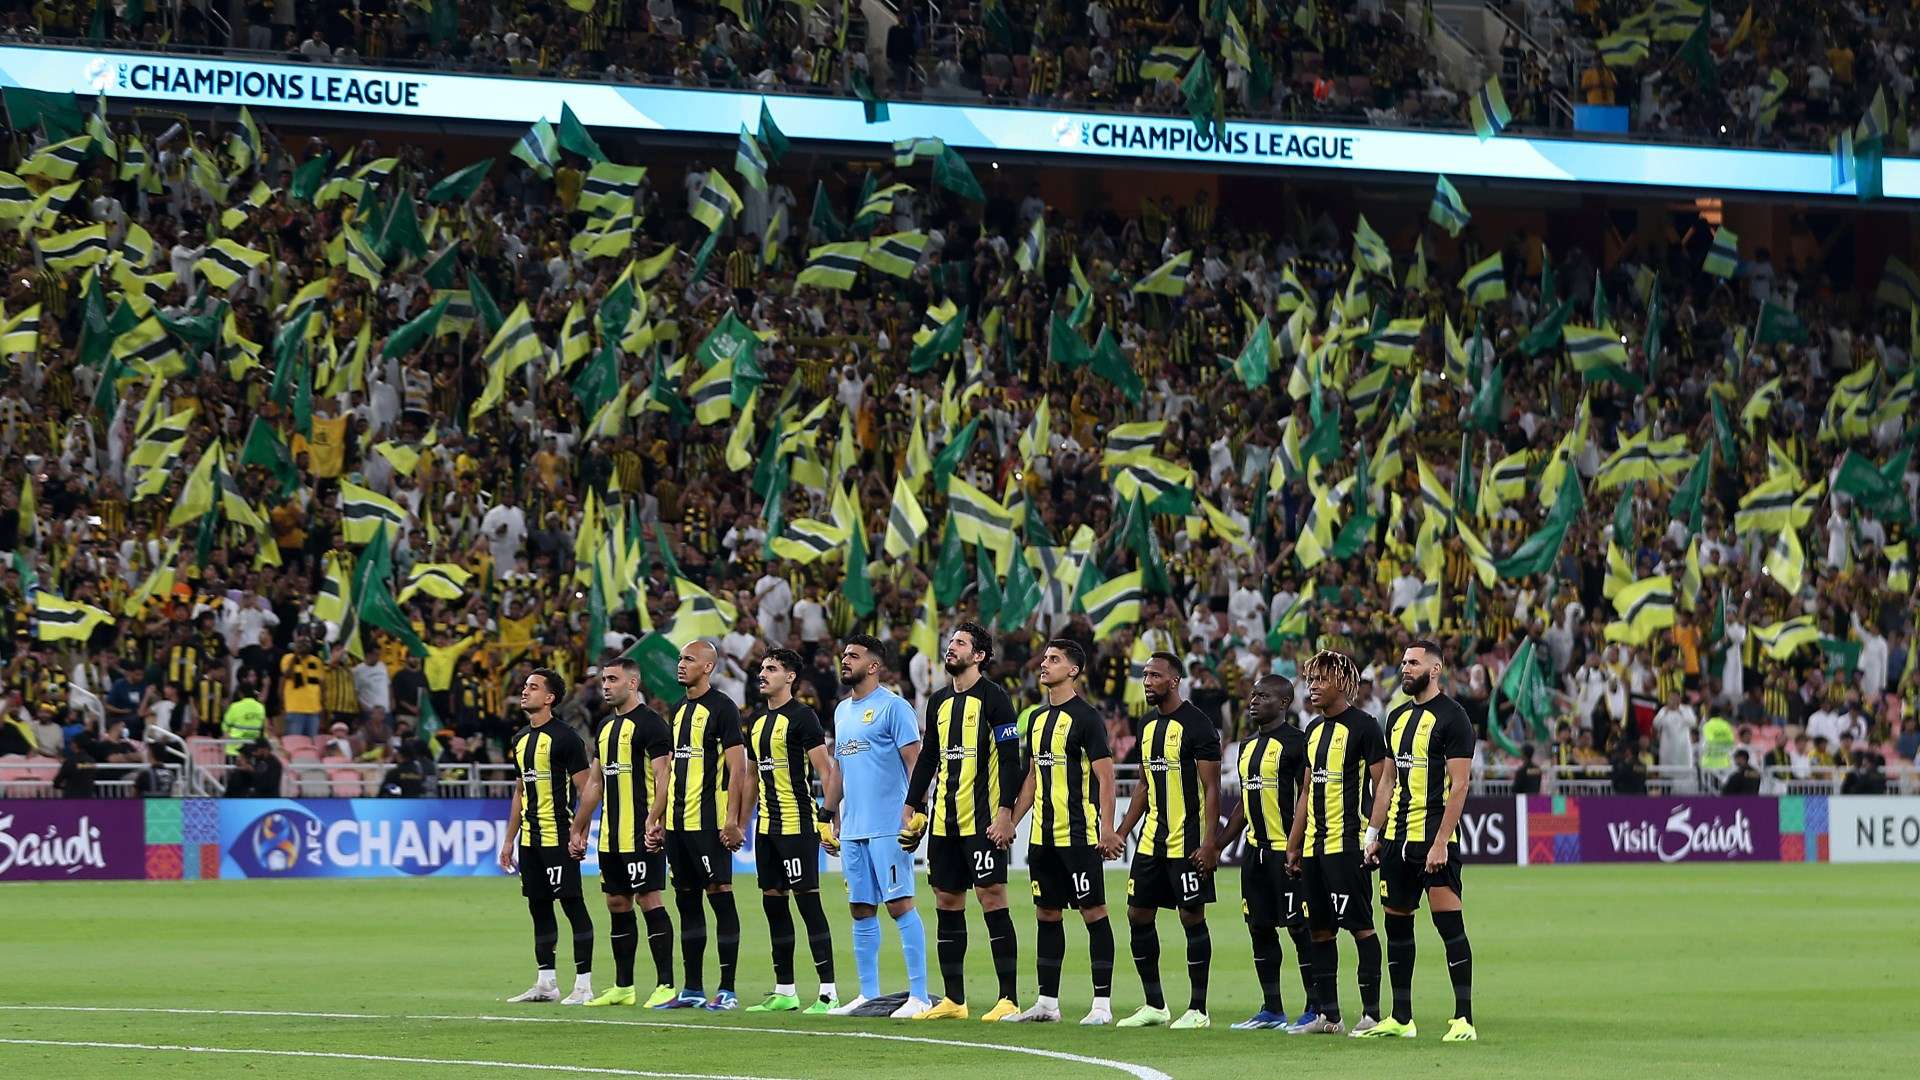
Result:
[[867, 717]]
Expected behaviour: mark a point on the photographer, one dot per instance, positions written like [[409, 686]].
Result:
[[303, 673], [256, 775]]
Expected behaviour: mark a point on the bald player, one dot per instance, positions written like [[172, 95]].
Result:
[[1271, 764], [706, 805]]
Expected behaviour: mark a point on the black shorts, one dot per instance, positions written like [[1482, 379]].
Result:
[[958, 863], [629, 873], [698, 858], [1404, 877], [1067, 877], [1160, 882], [1269, 896], [1337, 892], [788, 862], [548, 872]]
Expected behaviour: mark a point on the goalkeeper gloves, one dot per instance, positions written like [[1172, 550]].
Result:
[[916, 828], [829, 833]]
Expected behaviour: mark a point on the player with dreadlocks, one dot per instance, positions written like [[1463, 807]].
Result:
[[1344, 751]]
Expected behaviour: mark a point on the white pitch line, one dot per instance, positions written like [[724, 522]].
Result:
[[1139, 1072], [248, 1051]]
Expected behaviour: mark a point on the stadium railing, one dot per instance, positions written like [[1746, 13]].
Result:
[[24, 778]]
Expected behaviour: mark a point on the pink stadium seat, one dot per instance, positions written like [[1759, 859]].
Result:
[[290, 743], [304, 753]]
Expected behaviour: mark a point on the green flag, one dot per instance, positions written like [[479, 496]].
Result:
[[1065, 346], [598, 382], [459, 186], [773, 141], [1203, 100], [574, 137], [1537, 554], [1689, 501], [416, 331], [870, 102], [1695, 54], [1656, 322], [1111, 364], [308, 176], [945, 340], [950, 171], [1724, 431], [1546, 333], [825, 225], [659, 661], [854, 584], [952, 454], [264, 448], [1138, 536], [1252, 363], [1623, 530], [1528, 690], [950, 572], [1779, 324], [987, 595], [372, 600], [1021, 595]]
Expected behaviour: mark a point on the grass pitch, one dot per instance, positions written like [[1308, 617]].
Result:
[[1764, 970]]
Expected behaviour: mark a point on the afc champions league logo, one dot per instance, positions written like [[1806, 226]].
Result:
[[104, 75], [1066, 132], [276, 843]]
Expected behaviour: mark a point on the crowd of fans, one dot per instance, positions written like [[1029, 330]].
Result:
[[1832, 60], [235, 647], [1318, 59], [1336, 60]]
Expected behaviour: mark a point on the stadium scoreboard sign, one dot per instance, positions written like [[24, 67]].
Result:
[[194, 80]]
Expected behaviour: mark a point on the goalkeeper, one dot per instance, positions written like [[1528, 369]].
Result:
[[970, 761], [876, 740]]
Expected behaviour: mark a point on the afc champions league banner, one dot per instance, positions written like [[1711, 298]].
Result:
[[279, 838]]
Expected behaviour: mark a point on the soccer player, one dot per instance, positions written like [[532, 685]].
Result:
[[1344, 749], [1272, 762], [782, 741], [1179, 801], [972, 765], [1431, 739], [553, 766], [1070, 790], [876, 741], [706, 802], [635, 752]]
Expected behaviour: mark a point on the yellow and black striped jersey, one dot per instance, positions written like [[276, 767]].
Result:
[[777, 742], [1063, 742], [969, 759], [1340, 749], [703, 729], [1172, 746], [1271, 765], [628, 744], [548, 757], [1422, 738]]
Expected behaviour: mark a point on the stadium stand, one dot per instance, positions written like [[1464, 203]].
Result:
[[208, 410]]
